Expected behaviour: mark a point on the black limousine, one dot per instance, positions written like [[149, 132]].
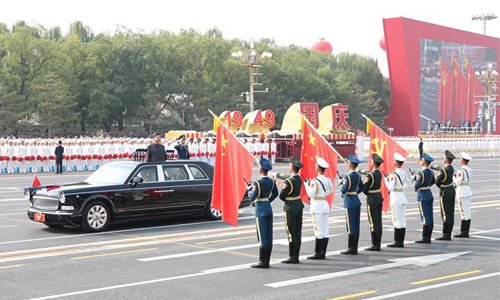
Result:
[[124, 190]]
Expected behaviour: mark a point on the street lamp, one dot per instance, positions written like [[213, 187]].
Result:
[[252, 60], [484, 18], [488, 101]]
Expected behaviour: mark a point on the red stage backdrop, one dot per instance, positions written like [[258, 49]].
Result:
[[404, 39]]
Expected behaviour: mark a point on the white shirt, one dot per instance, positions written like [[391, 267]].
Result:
[[315, 190], [392, 182], [462, 180]]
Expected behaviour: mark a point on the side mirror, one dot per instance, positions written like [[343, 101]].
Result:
[[136, 180]]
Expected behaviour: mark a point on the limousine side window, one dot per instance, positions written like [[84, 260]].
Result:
[[197, 172], [148, 174], [173, 173]]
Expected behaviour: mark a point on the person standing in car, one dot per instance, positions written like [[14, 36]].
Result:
[[156, 151]]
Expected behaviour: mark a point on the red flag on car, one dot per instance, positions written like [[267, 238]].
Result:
[[36, 182], [233, 165], [314, 145], [385, 146]]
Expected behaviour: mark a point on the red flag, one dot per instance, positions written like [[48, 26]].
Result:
[[459, 92], [475, 91], [385, 146], [36, 182], [444, 91], [313, 145], [233, 165]]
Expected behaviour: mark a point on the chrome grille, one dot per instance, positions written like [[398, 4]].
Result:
[[45, 203]]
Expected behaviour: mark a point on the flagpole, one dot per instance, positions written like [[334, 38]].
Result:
[[318, 133]]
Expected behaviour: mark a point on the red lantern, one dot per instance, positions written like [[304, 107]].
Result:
[[381, 42], [322, 46]]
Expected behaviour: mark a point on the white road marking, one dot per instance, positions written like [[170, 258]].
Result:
[[422, 261], [430, 287], [202, 273], [487, 237], [246, 246]]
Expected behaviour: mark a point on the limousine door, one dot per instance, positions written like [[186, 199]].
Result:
[[188, 195], [145, 198]]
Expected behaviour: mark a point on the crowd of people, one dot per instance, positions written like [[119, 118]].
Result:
[[471, 127], [25, 155]]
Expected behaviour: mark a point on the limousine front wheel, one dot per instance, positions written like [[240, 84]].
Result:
[[212, 213], [95, 217]]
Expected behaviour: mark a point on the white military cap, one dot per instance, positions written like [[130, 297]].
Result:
[[465, 156], [399, 157], [321, 162]]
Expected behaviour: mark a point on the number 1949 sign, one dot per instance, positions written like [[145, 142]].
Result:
[[255, 121]]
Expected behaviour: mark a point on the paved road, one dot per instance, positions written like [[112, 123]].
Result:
[[199, 259]]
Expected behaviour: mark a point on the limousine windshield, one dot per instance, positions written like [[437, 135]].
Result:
[[112, 173]]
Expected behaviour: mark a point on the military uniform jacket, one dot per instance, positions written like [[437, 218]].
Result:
[[319, 188], [395, 183], [462, 182], [182, 151], [351, 189], [264, 193], [444, 180], [424, 181], [291, 193], [372, 188]]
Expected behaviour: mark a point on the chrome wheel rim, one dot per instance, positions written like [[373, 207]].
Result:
[[215, 212], [97, 216]]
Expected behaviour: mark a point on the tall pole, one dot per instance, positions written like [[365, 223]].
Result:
[[252, 81]]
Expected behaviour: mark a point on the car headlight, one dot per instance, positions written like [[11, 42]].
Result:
[[61, 197], [27, 195]]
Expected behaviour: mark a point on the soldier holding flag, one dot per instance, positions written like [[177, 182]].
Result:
[[351, 186], [374, 200], [395, 183], [262, 193], [444, 181], [318, 189], [464, 193], [290, 194], [423, 181]]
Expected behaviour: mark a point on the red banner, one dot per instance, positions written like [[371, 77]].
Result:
[[233, 165], [445, 92], [385, 146], [314, 145], [459, 92]]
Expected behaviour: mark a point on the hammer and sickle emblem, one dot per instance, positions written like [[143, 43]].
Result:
[[379, 146]]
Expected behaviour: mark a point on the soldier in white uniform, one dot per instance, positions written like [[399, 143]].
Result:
[[211, 151], [318, 189], [464, 194], [395, 183], [273, 149]]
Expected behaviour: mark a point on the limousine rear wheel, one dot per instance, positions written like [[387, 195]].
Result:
[[96, 217], [212, 213]]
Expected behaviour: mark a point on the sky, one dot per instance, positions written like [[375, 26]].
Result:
[[350, 26]]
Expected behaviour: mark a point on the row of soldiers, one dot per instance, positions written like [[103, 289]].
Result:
[[453, 185]]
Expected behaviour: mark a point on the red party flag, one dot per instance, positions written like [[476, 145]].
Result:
[[385, 146]]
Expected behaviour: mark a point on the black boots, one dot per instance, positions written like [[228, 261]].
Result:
[[464, 229], [293, 255], [375, 242], [399, 238], [264, 258], [352, 245], [426, 235], [446, 232], [318, 249]]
